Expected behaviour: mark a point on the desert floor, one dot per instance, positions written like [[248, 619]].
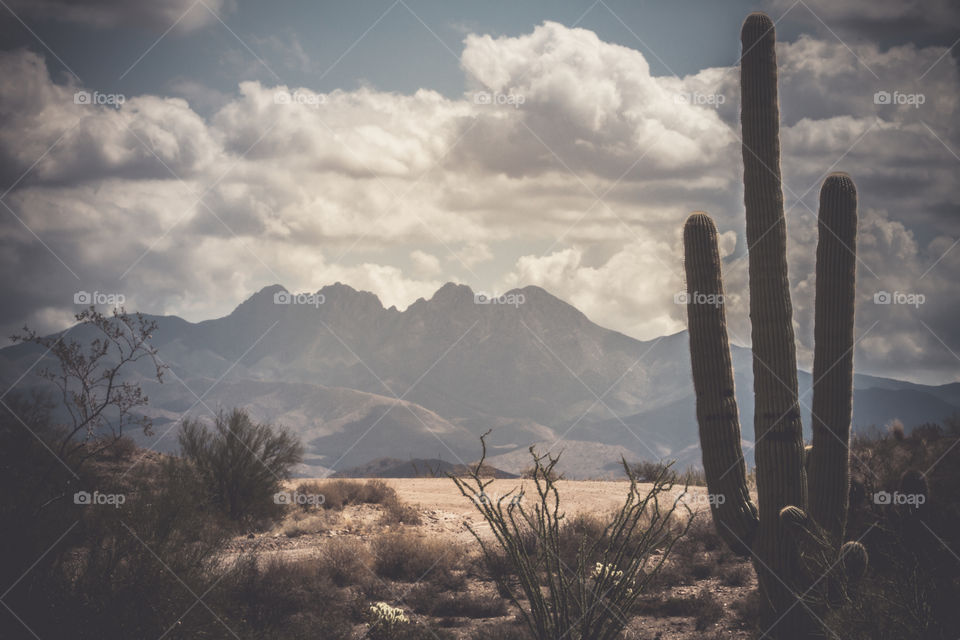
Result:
[[444, 514]]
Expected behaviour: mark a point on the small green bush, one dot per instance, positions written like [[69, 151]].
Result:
[[242, 463]]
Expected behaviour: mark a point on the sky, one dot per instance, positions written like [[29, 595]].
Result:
[[179, 155]]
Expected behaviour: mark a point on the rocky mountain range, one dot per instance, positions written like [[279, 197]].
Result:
[[358, 381]]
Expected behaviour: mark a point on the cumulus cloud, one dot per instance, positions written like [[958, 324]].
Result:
[[64, 134], [566, 165], [586, 105]]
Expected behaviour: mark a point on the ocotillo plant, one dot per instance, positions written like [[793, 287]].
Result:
[[789, 547]]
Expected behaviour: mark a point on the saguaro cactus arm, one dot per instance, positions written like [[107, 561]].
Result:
[[717, 413], [829, 470]]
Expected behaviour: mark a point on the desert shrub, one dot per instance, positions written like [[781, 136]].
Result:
[[646, 471], [427, 599], [242, 463], [737, 575], [345, 560], [911, 586], [411, 557], [496, 566], [311, 490], [377, 492], [340, 493], [395, 511], [98, 402], [705, 608], [283, 599], [387, 622], [708, 609], [119, 449], [372, 588], [120, 570], [75, 566], [306, 523], [575, 532], [587, 599], [448, 579], [696, 556]]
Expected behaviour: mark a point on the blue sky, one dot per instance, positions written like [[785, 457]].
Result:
[[303, 143], [301, 41], [407, 45]]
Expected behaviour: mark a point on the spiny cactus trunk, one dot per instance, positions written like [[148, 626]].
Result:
[[797, 555], [781, 480], [717, 414], [829, 479]]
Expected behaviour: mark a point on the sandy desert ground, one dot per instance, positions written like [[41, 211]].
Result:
[[444, 514]]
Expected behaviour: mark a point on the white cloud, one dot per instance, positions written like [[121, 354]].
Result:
[[425, 263], [581, 189], [474, 253]]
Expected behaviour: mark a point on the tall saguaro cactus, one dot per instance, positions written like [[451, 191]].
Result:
[[788, 546], [777, 426]]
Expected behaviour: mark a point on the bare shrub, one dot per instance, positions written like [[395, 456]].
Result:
[[428, 599], [396, 511], [587, 599], [345, 560], [411, 557], [340, 493]]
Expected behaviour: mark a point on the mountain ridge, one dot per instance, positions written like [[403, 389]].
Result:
[[360, 381]]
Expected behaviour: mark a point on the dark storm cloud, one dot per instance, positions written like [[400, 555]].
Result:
[[923, 23]]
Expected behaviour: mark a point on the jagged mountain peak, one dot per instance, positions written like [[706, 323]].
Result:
[[260, 303], [452, 293], [340, 293]]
